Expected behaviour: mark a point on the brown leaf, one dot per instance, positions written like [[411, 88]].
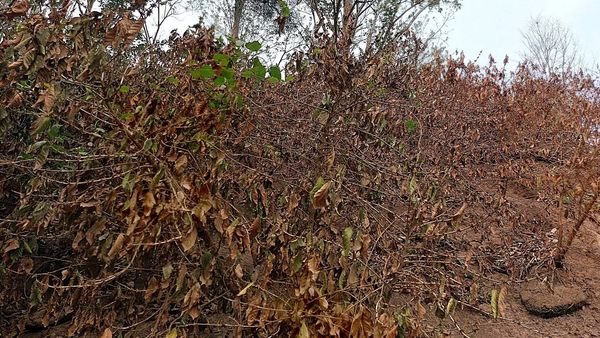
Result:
[[330, 160], [19, 7], [313, 267], [502, 302], [26, 264], [239, 272], [320, 197], [254, 228], [116, 247], [181, 164], [49, 98], [107, 333], [189, 239], [181, 277], [132, 31], [11, 244], [151, 289], [245, 289], [15, 101], [362, 325], [293, 203], [149, 203]]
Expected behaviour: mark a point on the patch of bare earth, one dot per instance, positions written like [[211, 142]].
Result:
[[571, 302]]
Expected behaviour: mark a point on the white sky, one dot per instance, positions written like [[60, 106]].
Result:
[[494, 26]]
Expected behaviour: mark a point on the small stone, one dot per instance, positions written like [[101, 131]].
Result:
[[542, 302]]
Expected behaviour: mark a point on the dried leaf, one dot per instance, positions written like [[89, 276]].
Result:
[[181, 164], [319, 199], [494, 303], [167, 270], [239, 272], [11, 244], [313, 267], [189, 239], [26, 264], [245, 289], [19, 7], [181, 277], [133, 30], [330, 160], [107, 333], [502, 304], [116, 247], [304, 333], [450, 306], [151, 289], [172, 333], [149, 203], [15, 101], [293, 203], [362, 325]]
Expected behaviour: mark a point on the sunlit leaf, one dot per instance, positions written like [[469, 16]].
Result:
[[494, 303], [172, 333], [204, 72], [245, 289], [253, 46], [124, 89]]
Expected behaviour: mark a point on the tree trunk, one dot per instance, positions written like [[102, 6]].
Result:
[[238, 10]]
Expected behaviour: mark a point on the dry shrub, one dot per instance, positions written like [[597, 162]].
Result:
[[174, 188]]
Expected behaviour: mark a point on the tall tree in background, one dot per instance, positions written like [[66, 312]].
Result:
[[372, 24], [550, 47]]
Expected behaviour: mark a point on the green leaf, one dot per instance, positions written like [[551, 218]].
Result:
[[205, 260], [342, 280], [347, 240], [222, 59], [126, 116], [227, 73], [127, 183], [54, 131], [167, 270], [204, 72], [148, 144], [253, 46], [304, 332], [248, 73], [275, 72], [318, 184], [27, 248], [298, 260], [450, 306], [285, 9], [219, 81], [173, 80], [158, 176], [412, 186], [410, 125], [124, 89], [260, 72]]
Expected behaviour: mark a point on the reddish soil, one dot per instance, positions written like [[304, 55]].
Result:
[[581, 271]]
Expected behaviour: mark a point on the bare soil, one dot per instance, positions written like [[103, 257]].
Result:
[[580, 274]]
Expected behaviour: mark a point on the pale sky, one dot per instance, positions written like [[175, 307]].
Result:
[[493, 26]]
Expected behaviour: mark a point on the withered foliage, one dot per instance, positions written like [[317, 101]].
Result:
[[169, 192]]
